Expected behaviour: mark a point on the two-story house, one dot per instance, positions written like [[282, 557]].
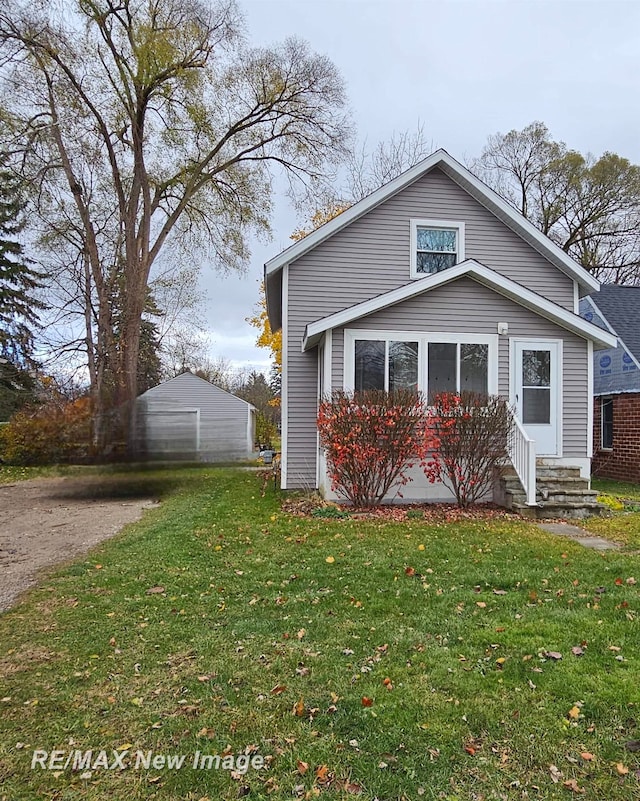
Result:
[[434, 282]]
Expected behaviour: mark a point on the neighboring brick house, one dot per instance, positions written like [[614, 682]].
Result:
[[616, 383]]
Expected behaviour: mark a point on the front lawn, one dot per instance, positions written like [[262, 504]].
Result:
[[371, 659], [624, 524]]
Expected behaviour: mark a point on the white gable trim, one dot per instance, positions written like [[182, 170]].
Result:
[[480, 190], [473, 269]]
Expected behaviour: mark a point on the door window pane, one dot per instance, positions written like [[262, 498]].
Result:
[[442, 368], [403, 365], [369, 361], [536, 368], [536, 405], [474, 361]]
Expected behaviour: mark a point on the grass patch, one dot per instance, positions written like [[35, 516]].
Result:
[[362, 658], [12, 473], [624, 524]]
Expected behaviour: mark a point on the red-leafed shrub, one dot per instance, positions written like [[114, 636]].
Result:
[[470, 439], [57, 431], [371, 440]]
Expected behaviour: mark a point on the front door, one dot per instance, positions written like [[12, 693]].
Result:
[[536, 392]]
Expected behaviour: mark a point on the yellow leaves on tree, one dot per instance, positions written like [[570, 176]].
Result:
[[320, 217], [266, 337]]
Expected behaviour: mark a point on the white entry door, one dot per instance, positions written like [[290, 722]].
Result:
[[536, 392]]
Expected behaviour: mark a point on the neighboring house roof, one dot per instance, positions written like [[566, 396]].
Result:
[[620, 308], [479, 272], [464, 178], [187, 378]]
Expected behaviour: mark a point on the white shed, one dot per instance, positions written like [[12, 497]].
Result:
[[191, 419]]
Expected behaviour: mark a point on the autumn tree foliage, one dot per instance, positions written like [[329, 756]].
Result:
[[57, 431], [271, 340], [371, 440], [470, 434]]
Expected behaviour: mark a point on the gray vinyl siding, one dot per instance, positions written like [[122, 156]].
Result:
[[372, 256], [463, 306], [166, 429]]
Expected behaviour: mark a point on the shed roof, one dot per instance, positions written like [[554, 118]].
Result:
[[185, 379]]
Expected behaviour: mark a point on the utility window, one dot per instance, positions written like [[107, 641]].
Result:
[[606, 410], [435, 246]]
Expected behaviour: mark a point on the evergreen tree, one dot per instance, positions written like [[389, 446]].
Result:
[[19, 307], [19, 282]]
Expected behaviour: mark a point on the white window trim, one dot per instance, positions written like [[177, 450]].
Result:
[[448, 225], [423, 338], [604, 398]]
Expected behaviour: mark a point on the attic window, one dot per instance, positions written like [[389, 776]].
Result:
[[436, 245]]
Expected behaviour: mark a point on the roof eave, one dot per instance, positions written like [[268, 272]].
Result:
[[500, 284]]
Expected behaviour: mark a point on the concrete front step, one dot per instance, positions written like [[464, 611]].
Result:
[[561, 492], [545, 471], [573, 511]]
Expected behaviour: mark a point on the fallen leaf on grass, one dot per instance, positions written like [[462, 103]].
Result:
[[555, 655], [410, 571], [330, 560], [586, 756], [303, 767], [481, 604], [555, 773], [298, 708], [572, 784], [574, 713], [353, 788], [322, 774], [499, 592], [622, 769], [470, 749], [367, 701], [155, 590], [577, 650], [278, 689]]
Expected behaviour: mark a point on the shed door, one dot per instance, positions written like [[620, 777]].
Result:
[[537, 392], [171, 431]]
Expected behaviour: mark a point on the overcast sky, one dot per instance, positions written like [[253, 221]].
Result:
[[464, 69]]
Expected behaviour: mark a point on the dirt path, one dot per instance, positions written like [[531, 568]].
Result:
[[50, 520]]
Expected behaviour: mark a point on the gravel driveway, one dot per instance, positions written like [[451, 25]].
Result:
[[49, 520]]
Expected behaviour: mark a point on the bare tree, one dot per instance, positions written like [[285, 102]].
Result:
[[140, 124], [369, 170], [589, 206]]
